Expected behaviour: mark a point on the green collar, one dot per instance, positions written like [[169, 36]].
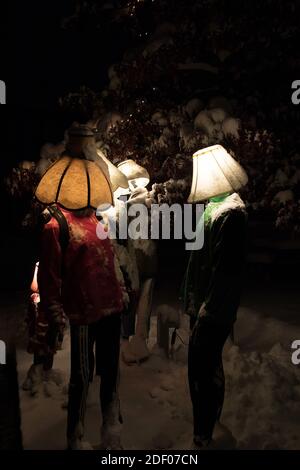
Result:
[[214, 202], [219, 198]]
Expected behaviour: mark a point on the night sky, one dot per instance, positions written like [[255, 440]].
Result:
[[44, 62]]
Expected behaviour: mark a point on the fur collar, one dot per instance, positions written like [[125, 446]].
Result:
[[231, 202]]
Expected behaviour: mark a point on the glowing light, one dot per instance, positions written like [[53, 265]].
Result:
[[73, 181], [215, 172], [117, 178], [138, 177]]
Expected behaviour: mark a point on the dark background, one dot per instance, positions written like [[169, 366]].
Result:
[[41, 61], [45, 62]]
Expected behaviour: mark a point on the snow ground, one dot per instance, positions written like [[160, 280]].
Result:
[[261, 405]]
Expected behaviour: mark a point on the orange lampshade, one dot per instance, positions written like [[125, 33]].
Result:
[[74, 181]]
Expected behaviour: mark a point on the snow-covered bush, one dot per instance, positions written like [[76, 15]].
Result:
[[199, 82]]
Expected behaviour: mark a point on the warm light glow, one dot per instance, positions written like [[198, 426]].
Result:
[[74, 183], [138, 177], [75, 180], [215, 172]]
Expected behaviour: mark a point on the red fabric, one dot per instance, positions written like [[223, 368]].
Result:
[[84, 284]]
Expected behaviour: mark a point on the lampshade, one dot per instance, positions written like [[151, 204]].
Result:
[[74, 181], [121, 192], [117, 178], [138, 177], [215, 172]]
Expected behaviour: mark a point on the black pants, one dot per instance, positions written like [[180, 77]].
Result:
[[128, 323], [206, 375], [47, 360], [105, 335]]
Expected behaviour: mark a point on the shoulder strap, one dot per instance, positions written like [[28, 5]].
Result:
[[64, 234]]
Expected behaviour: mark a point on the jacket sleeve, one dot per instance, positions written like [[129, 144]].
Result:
[[49, 273], [228, 249]]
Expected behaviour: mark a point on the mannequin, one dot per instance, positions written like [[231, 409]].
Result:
[[213, 281], [80, 277], [136, 349]]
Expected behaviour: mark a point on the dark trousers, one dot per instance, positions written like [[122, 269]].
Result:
[[206, 375], [105, 336], [47, 360], [128, 324]]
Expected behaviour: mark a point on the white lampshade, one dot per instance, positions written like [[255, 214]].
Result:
[[116, 177], [138, 177], [215, 172], [121, 192]]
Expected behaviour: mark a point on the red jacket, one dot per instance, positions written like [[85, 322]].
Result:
[[85, 282]]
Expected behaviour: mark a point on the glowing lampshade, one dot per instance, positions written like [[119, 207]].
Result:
[[215, 172], [117, 178], [74, 181], [121, 192], [138, 177]]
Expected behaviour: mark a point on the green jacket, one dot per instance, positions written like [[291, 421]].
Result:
[[214, 273]]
